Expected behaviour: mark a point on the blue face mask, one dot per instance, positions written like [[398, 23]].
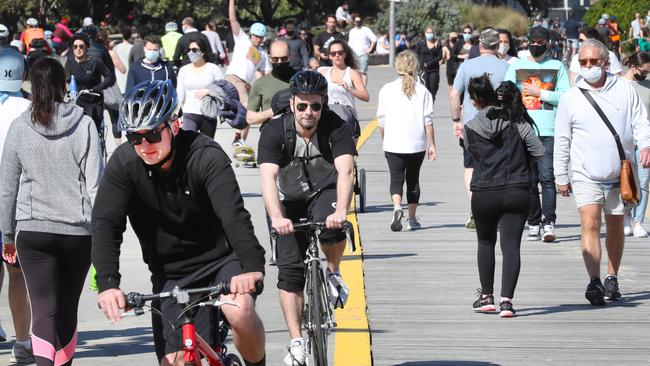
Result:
[[152, 55], [429, 36], [467, 36]]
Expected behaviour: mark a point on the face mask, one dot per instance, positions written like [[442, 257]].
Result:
[[194, 56], [504, 48], [452, 39], [357, 24], [152, 55], [537, 50], [429, 36], [283, 71], [640, 77], [291, 33], [467, 37], [591, 74]]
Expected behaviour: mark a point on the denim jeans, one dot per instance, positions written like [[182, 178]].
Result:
[[543, 175], [644, 177]]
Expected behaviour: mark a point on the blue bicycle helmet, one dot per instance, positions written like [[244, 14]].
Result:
[[147, 105], [258, 29]]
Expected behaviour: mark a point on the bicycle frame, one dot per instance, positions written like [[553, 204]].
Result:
[[195, 346], [313, 260]]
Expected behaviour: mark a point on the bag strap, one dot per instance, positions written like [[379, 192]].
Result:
[[621, 152]]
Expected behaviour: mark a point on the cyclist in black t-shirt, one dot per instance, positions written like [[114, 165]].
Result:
[[306, 159], [322, 42]]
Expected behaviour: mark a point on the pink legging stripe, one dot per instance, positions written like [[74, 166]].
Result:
[[43, 348], [64, 355]]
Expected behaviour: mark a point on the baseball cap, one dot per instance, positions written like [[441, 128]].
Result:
[[489, 37], [601, 21], [4, 31], [32, 21], [171, 27], [12, 69], [87, 21]]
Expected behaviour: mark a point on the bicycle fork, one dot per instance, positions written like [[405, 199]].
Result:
[[329, 323]]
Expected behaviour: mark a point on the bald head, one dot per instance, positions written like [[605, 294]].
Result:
[[279, 48]]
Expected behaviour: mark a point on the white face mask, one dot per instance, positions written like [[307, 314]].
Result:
[[591, 74], [504, 48]]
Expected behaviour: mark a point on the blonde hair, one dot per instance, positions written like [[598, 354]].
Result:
[[407, 66]]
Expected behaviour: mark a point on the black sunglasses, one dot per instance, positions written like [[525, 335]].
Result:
[[277, 60], [152, 136], [194, 49], [301, 107]]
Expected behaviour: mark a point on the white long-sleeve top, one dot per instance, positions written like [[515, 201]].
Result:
[[583, 140]]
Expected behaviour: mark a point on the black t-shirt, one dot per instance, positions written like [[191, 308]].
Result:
[[572, 29], [325, 38]]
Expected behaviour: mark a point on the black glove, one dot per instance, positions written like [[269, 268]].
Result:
[[280, 101]]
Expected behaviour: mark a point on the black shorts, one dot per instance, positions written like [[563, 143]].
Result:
[[468, 160], [291, 248], [168, 337]]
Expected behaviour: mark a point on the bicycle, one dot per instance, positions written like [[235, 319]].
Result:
[[317, 317], [101, 131], [193, 344]]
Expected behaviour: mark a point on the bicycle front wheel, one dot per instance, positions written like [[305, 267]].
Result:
[[318, 316]]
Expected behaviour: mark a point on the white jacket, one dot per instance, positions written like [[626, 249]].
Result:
[[583, 139]]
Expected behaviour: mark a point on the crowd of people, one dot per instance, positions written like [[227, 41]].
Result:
[[519, 109]]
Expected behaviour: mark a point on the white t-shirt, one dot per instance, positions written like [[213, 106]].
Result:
[[614, 67], [247, 59], [189, 81], [342, 14], [122, 49], [215, 41], [380, 46], [10, 110], [360, 38], [404, 120], [636, 29]]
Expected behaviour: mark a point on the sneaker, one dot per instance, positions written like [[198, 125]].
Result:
[[3, 334], [595, 292], [297, 355], [484, 303], [470, 224], [507, 311], [238, 142], [627, 224], [533, 233], [413, 224], [639, 231], [339, 291], [549, 232], [21, 354], [611, 289], [396, 224]]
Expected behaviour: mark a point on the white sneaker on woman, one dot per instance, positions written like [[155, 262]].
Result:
[[627, 224], [638, 230]]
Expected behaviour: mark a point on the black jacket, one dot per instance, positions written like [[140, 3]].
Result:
[[139, 72], [502, 150], [180, 57], [186, 219]]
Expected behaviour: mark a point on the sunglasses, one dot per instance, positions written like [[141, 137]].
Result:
[[152, 136], [592, 61], [194, 50], [301, 107], [337, 53], [78, 46], [277, 60]]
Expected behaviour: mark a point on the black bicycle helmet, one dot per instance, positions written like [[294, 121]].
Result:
[[147, 105], [308, 82]]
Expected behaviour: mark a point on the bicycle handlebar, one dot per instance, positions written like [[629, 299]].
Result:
[[182, 296], [313, 226]]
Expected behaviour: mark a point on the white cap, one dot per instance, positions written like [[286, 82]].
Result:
[[171, 27], [4, 31], [32, 21], [87, 21]]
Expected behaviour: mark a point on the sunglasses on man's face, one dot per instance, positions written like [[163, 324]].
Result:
[[337, 53], [152, 137], [79, 46], [194, 50], [301, 107], [277, 60], [591, 61]]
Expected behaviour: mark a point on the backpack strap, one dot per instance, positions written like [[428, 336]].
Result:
[[289, 132]]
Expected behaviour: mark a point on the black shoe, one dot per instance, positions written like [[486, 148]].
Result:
[[595, 292], [396, 224], [611, 289], [484, 304], [507, 311]]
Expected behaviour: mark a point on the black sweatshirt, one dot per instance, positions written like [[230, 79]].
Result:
[[185, 219], [88, 74]]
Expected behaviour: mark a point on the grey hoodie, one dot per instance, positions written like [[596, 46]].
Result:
[[49, 175]]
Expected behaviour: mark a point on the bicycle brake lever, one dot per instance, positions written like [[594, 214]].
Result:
[[134, 312], [217, 302]]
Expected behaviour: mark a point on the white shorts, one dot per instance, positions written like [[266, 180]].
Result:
[[606, 195]]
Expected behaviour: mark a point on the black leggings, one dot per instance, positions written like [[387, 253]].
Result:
[[432, 82], [403, 166], [506, 209], [200, 123], [55, 268], [115, 123]]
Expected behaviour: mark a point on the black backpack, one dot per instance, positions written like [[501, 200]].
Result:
[[289, 134]]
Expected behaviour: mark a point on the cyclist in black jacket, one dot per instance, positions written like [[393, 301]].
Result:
[[180, 194]]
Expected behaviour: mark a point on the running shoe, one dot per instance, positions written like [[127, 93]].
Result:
[[627, 224], [470, 224], [639, 231], [3, 334], [484, 303], [549, 232], [238, 142], [611, 288], [533, 233], [21, 354], [396, 224], [297, 355], [507, 311], [339, 291], [595, 292], [413, 224]]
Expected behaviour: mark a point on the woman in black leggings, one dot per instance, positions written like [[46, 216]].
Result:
[[50, 171], [502, 141]]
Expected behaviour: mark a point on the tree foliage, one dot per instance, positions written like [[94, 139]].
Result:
[[412, 17], [624, 10]]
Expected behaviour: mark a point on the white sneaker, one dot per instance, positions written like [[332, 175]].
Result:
[[533, 233], [549, 232], [627, 224], [339, 291], [413, 224], [297, 355], [396, 223], [639, 231]]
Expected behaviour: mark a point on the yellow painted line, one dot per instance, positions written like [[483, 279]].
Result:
[[352, 345]]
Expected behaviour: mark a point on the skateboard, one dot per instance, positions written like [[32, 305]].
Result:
[[244, 155]]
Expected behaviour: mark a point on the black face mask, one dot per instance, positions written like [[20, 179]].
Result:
[[452, 39], [537, 50], [283, 71], [291, 33], [640, 77]]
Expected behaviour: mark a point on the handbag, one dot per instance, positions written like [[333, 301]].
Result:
[[112, 97], [629, 191]]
